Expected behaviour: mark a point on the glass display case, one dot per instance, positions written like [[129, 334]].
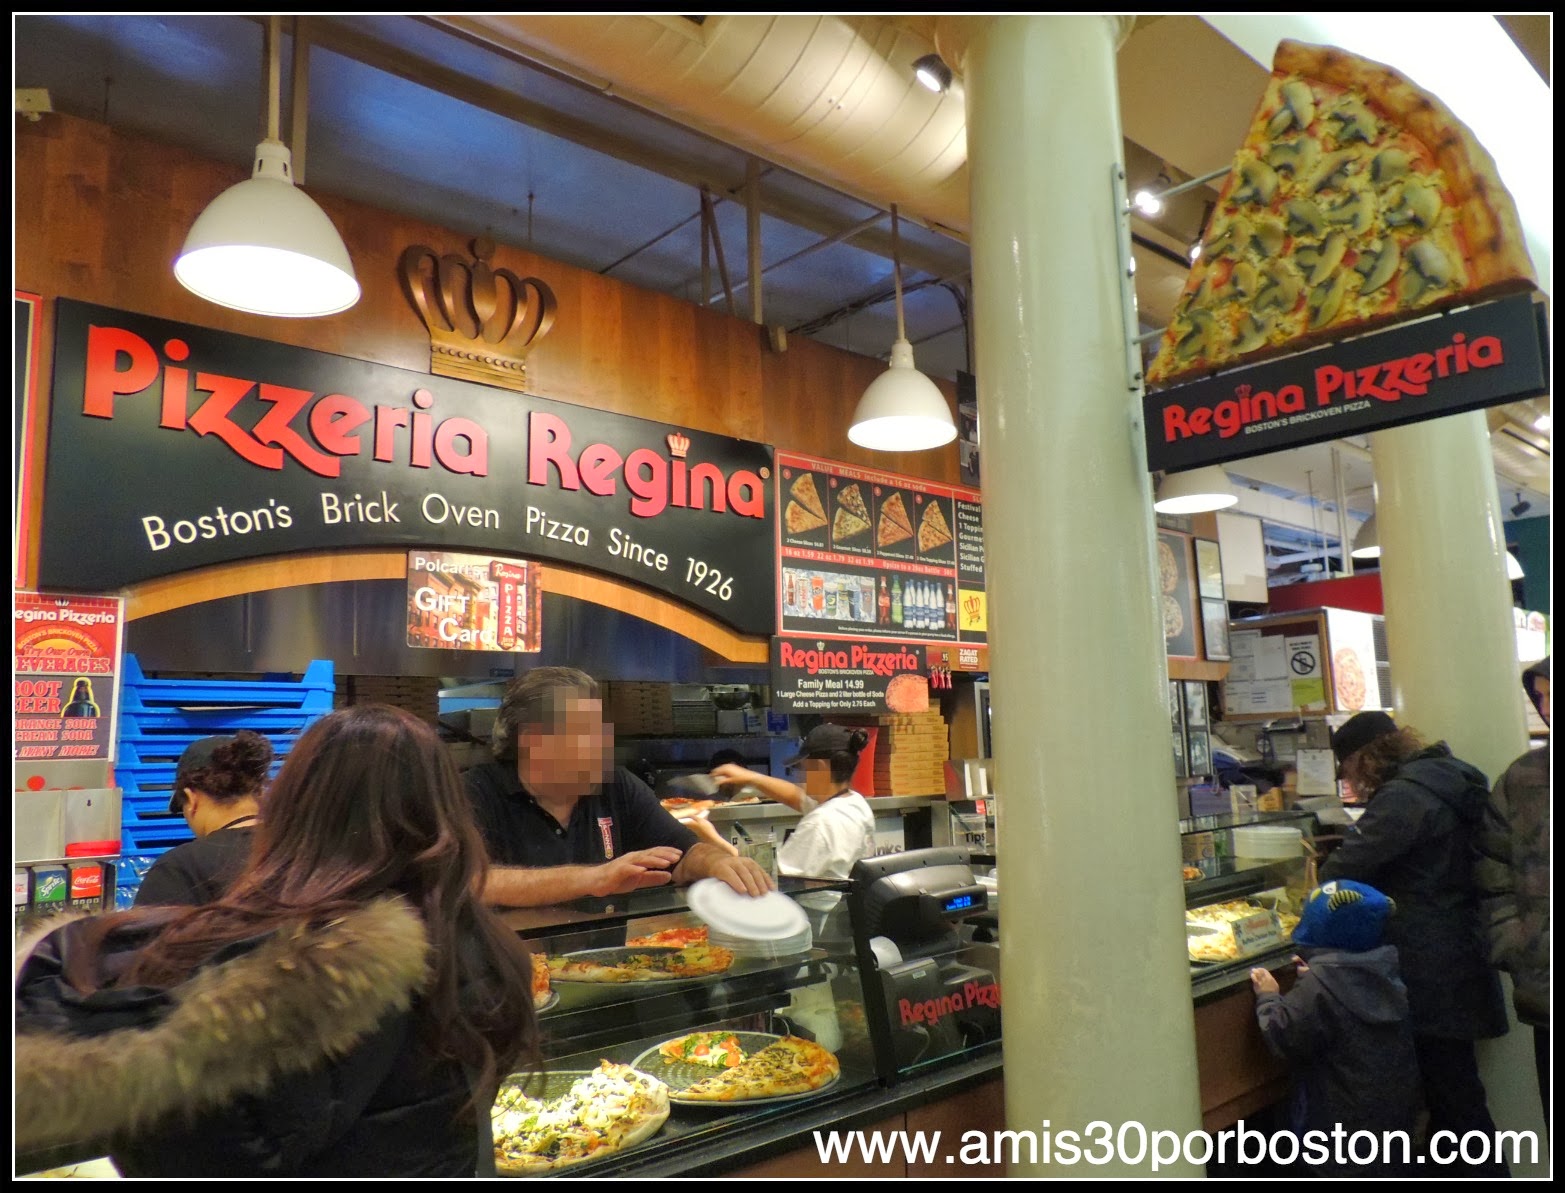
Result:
[[812, 993], [1245, 879]]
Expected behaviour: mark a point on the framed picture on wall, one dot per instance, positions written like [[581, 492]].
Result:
[[1195, 704], [1177, 585], [1199, 752], [1214, 624], [1209, 569], [1176, 715]]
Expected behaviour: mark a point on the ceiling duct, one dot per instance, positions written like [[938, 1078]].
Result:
[[830, 97]]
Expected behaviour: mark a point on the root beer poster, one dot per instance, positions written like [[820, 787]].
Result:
[[67, 664]]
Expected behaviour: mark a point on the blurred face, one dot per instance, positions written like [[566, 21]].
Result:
[[1540, 691], [571, 754], [817, 778]]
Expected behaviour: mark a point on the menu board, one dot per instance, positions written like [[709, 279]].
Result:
[[874, 555], [67, 665]]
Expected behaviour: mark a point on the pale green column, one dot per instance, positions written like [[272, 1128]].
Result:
[[1098, 1015], [1452, 643]]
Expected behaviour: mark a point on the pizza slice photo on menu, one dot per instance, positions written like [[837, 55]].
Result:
[[1355, 200], [933, 530], [894, 526]]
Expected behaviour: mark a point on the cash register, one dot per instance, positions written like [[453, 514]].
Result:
[[930, 989]]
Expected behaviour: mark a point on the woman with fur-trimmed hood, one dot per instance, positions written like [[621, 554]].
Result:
[[345, 1010]]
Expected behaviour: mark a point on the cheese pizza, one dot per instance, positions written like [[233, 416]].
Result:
[[669, 938], [790, 1066], [805, 511], [1355, 200], [541, 987]]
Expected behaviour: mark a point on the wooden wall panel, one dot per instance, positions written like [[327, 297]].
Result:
[[101, 215]]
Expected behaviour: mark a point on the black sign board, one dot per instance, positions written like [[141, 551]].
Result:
[[1465, 360], [834, 675], [174, 447]]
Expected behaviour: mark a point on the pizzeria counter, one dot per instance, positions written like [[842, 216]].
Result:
[[923, 1025]]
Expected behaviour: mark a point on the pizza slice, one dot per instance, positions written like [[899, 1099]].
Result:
[[670, 937], [847, 525], [806, 494], [790, 1066], [1355, 200], [933, 532], [852, 499], [607, 1110], [715, 1049], [800, 520], [894, 509], [542, 989], [893, 526]]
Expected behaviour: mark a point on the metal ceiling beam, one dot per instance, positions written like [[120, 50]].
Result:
[[326, 34]]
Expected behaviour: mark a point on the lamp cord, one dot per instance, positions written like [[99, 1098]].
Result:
[[896, 270], [274, 77]]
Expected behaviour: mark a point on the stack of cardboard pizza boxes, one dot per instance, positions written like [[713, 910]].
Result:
[[910, 754], [638, 709]]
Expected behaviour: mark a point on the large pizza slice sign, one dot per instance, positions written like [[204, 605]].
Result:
[[1356, 200], [805, 493]]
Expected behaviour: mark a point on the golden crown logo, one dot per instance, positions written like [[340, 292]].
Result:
[[678, 445], [482, 321]]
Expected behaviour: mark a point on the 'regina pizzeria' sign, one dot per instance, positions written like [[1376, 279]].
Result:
[[1467, 360], [174, 447]]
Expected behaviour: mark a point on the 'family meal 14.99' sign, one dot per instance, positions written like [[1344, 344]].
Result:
[[173, 447], [1475, 357]]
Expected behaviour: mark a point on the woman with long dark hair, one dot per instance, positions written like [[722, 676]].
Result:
[[346, 1008], [1416, 842]]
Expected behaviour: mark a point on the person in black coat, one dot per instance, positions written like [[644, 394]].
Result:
[[217, 788], [1417, 841], [1343, 1027], [347, 1008]]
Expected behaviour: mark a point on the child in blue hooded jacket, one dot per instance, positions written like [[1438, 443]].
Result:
[[1344, 1026]]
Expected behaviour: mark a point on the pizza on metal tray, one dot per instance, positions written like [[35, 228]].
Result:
[[657, 965], [790, 1066], [610, 1109]]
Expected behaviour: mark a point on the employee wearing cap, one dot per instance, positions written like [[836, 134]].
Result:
[[561, 822], [1416, 843], [838, 827], [217, 788]]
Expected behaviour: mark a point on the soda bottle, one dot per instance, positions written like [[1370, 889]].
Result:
[[885, 603], [896, 600]]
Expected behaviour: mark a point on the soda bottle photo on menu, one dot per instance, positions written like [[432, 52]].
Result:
[[885, 603], [81, 702], [896, 600]]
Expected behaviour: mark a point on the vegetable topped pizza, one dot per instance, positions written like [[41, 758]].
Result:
[[1355, 200], [716, 1049], [604, 1111], [790, 1066], [670, 938]]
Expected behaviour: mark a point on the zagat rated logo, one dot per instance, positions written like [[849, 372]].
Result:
[[655, 481]]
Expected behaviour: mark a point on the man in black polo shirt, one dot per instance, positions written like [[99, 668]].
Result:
[[561, 822]]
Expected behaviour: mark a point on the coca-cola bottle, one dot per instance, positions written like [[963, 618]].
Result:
[[884, 605]]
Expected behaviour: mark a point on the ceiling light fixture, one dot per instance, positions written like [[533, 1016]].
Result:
[[1521, 507], [1195, 252], [902, 410], [1195, 492], [1542, 423], [932, 72], [263, 245], [1366, 543]]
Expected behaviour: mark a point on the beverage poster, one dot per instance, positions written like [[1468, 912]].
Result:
[[67, 667], [472, 602], [874, 555]]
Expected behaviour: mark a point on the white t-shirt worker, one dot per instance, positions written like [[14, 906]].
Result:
[[838, 826]]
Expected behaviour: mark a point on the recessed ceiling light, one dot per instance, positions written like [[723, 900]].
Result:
[[1195, 251]]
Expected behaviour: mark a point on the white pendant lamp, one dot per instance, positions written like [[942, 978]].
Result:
[[263, 245], [1513, 567], [1195, 492], [1366, 543], [902, 410]]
